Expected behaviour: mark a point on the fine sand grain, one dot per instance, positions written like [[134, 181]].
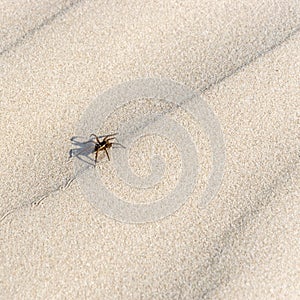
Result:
[[242, 58]]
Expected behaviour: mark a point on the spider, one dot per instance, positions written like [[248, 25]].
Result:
[[101, 145], [104, 144]]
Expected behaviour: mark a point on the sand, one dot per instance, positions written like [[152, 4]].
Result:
[[243, 59]]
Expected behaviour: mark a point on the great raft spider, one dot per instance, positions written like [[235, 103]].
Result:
[[103, 145]]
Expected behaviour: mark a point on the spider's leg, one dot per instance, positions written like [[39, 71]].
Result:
[[119, 145], [108, 141], [107, 153], [112, 138], [96, 156], [109, 135], [94, 135], [112, 134]]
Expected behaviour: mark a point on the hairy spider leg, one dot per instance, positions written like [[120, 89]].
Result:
[[110, 136], [114, 138], [107, 142], [96, 156], [95, 137], [119, 145], [104, 144], [101, 148], [105, 137], [113, 143], [107, 153]]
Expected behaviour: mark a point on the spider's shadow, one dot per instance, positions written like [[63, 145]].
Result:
[[83, 150], [88, 147]]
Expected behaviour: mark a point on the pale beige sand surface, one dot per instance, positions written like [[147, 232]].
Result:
[[21, 19], [244, 59]]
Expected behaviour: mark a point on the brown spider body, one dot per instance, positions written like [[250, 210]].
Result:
[[106, 143]]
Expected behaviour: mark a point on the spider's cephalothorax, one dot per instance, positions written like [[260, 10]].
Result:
[[106, 143]]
